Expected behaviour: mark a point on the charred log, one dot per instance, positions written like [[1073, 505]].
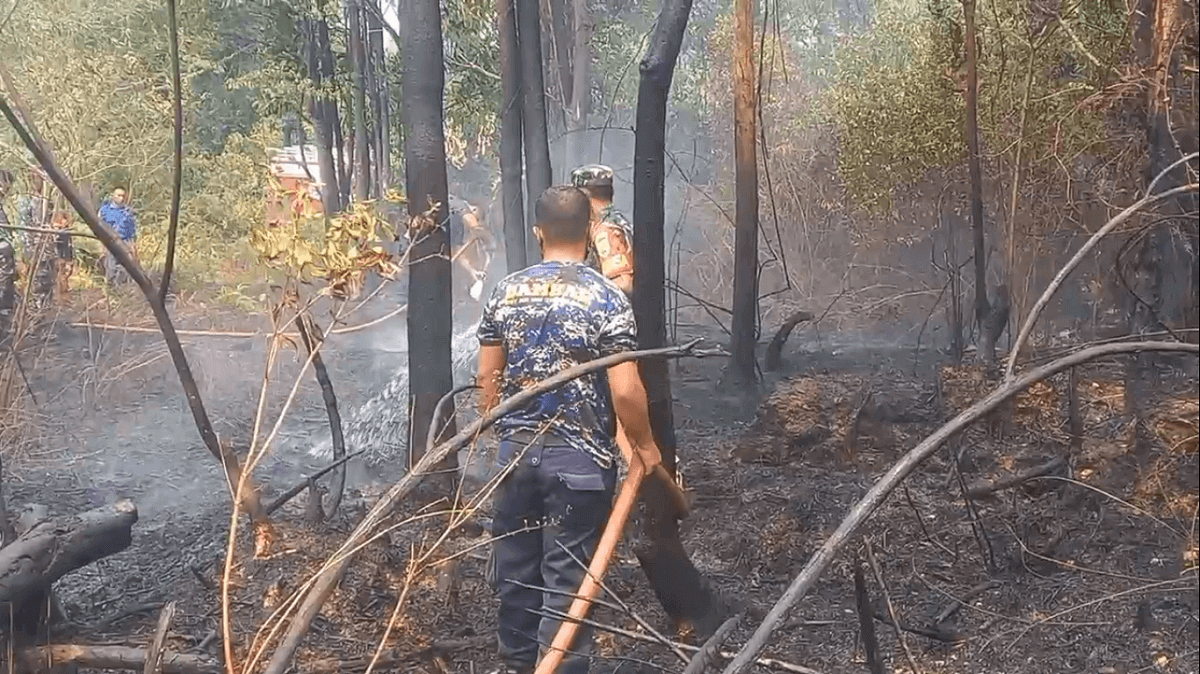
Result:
[[775, 349], [54, 547]]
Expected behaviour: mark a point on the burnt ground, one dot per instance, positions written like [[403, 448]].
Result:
[[1094, 571]]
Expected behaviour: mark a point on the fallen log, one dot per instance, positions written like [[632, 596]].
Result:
[[57, 546], [46, 659]]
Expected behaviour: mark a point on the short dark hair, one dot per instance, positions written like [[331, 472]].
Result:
[[563, 214], [604, 192]]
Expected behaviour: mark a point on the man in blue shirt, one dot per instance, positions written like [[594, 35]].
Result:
[[117, 214], [556, 499]]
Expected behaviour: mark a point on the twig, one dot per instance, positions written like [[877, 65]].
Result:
[[887, 598], [1150, 198], [324, 582], [771, 663], [439, 413], [303, 484], [154, 655], [985, 488], [177, 167], [875, 497], [946, 613], [708, 652], [47, 230], [626, 608]]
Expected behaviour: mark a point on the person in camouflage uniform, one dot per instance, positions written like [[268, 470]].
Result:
[[610, 248]]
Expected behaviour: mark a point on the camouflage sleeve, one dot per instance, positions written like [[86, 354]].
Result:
[[618, 334], [489, 332], [614, 249]]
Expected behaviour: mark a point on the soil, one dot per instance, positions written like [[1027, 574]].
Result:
[[1088, 571]]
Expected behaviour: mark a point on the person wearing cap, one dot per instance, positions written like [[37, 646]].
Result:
[[611, 236], [471, 244]]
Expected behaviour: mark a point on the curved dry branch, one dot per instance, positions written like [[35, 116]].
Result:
[[177, 168], [1027, 326], [323, 583], [892, 479]]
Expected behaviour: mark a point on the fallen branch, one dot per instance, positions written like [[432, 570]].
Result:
[[122, 255], [1150, 198], [154, 655], [46, 658], [303, 484], [985, 488], [959, 602], [323, 583], [875, 497], [708, 652]]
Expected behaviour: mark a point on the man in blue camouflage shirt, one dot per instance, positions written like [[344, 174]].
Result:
[[556, 499]]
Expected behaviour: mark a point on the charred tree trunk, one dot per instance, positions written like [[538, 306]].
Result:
[[55, 547], [581, 90], [323, 113], [356, 45], [430, 322], [1151, 264], [511, 107], [743, 367], [538, 173], [380, 100], [329, 70], [982, 308], [684, 594]]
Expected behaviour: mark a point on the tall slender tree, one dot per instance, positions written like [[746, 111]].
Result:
[[676, 582], [511, 109], [356, 48], [323, 111], [982, 306], [745, 256], [430, 325], [538, 172]]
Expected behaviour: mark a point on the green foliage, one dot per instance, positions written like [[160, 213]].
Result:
[[898, 112], [472, 94], [897, 115]]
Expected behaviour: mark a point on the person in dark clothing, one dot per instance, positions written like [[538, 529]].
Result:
[[554, 502]]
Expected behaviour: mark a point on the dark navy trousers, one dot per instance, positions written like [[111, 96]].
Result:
[[556, 497]]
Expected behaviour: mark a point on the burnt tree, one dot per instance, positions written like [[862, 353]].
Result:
[[323, 111], [511, 107], [538, 173], [377, 68], [430, 324], [982, 307], [356, 46], [676, 582], [743, 368]]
